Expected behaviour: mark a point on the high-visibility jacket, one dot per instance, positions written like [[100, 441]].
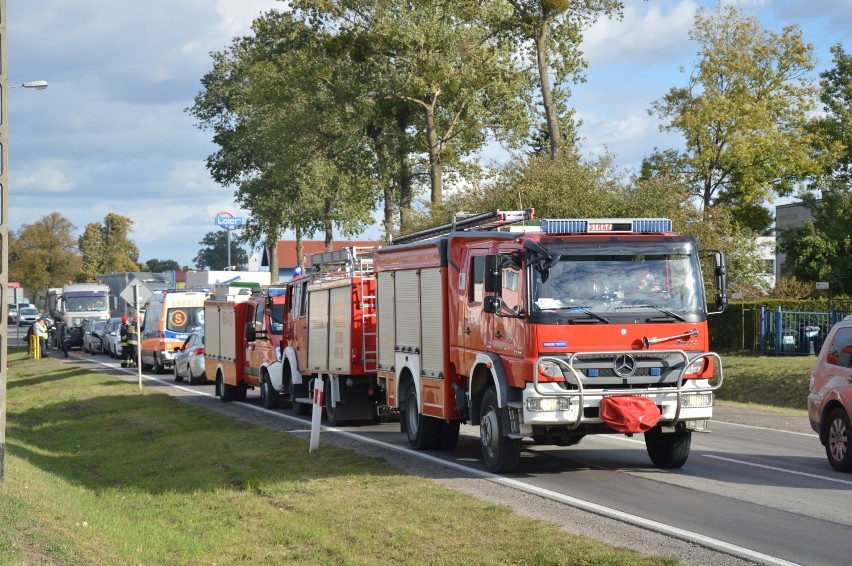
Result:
[[132, 337]]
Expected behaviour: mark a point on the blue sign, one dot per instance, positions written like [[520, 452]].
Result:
[[228, 221]]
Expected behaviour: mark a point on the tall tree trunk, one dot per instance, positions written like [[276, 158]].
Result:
[[405, 185], [546, 94], [300, 260], [328, 225], [435, 172], [274, 267]]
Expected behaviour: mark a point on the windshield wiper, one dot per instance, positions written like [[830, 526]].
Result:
[[661, 309], [586, 311]]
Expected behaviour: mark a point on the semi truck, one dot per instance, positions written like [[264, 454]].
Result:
[[76, 303], [544, 333], [243, 337]]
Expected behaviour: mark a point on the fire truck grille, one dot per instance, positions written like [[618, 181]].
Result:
[[628, 370]]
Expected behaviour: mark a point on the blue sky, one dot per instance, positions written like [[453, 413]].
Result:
[[110, 134]]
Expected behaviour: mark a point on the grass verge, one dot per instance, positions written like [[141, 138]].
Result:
[[767, 382], [99, 473]]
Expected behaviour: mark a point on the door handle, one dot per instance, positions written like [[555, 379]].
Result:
[[467, 330]]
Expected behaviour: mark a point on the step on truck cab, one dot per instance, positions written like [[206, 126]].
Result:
[[547, 333]]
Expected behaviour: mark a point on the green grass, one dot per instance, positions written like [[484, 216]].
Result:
[[99, 473], [778, 382]]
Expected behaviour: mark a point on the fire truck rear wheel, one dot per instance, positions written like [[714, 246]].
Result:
[[226, 392], [668, 450], [268, 394], [424, 433], [331, 411], [501, 453]]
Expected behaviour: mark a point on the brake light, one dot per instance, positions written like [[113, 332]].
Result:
[[199, 351]]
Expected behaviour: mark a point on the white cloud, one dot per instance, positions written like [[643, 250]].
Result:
[[50, 176]]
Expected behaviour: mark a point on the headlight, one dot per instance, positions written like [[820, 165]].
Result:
[[549, 369], [696, 400], [695, 367], [548, 404]]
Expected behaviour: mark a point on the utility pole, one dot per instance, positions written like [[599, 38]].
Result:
[[4, 232]]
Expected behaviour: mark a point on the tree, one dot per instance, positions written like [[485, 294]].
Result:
[[553, 31], [744, 113], [821, 249], [214, 254], [106, 248], [446, 59], [44, 254], [161, 265]]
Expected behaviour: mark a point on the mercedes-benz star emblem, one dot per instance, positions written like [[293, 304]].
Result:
[[624, 365]]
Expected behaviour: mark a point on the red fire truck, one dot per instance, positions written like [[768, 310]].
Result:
[[579, 327], [331, 335], [243, 337]]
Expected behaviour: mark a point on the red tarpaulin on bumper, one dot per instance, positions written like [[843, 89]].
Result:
[[629, 414]]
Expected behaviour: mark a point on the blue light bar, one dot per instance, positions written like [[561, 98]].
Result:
[[276, 291], [607, 225]]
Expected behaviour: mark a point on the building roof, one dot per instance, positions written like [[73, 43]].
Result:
[[287, 250]]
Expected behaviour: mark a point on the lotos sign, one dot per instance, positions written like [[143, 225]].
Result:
[[228, 221]]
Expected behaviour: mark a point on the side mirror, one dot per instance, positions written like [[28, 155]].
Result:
[[492, 273], [492, 304], [251, 333]]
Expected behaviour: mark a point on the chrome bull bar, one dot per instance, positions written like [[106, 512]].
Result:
[[581, 393]]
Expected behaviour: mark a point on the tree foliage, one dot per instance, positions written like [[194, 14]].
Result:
[[161, 265], [214, 252], [743, 114], [821, 249], [44, 254], [106, 247], [549, 32]]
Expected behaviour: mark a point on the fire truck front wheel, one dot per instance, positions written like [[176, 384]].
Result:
[[268, 394], [501, 453], [424, 433], [668, 449]]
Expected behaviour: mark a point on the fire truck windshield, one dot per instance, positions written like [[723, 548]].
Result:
[[625, 282]]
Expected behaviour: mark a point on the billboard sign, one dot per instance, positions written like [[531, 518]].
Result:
[[228, 221]]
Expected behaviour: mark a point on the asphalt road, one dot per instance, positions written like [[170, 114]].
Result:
[[756, 489]]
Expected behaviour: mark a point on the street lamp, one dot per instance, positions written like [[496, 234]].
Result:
[[4, 224], [38, 85]]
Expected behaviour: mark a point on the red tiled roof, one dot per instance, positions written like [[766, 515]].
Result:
[[287, 249]]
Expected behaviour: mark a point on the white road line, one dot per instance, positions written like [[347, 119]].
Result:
[[636, 520], [776, 469], [811, 435]]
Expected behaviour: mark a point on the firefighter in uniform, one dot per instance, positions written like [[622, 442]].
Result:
[[132, 341], [125, 349]]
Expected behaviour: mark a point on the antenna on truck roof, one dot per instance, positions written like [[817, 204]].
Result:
[[463, 221]]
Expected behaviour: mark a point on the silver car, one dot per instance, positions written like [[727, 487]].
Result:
[[112, 338], [27, 315], [830, 397], [189, 360]]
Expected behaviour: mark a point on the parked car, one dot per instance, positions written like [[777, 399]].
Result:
[[112, 337], [189, 360], [830, 396], [93, 336], [12, 318], [27, 315]]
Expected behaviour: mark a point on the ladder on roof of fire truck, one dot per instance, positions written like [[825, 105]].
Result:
[[464, 221], [356, 261]]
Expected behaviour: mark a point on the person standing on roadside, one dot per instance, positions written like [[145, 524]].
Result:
[[132, 340], [125, 349], [63, 337], [40, 331]]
